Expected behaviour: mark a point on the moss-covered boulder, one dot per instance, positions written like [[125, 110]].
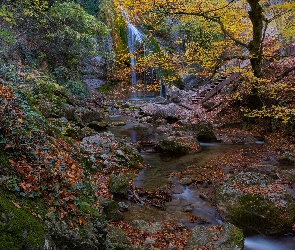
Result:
[[222, 237], [118, 240], [119, 185], [255, 203], [179, 145], [19, 229], [204, 133], [89, 237], [109, 152], [110, 209]]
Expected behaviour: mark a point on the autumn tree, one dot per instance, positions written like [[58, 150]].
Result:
[[243, 23]]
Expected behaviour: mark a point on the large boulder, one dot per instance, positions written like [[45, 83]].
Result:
[[146, 227], [204, 133], [255, 203], [179, 145], [222, 237], [118, 240], [170, 111], [108, 152], [119, 185]]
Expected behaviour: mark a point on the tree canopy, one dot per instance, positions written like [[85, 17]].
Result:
[[243, 26]]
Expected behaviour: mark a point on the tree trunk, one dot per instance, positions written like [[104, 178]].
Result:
[[256, 16]]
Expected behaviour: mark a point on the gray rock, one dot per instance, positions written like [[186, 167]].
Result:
[[222, 237], [117, 237], [119, 185], [204, 133], [149, 241], [186, 181], [123, 207], [188, 208], [255, 203], [146, 227], [179, 145]]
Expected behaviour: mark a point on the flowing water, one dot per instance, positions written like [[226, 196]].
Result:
[[186, 201]]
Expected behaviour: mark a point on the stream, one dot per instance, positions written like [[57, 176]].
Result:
[[186, 201]]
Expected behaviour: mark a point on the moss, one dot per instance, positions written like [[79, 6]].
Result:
[[174, 146], [106, 88], [253, 213], [19, 229], [204, 133], [119, 185], [135, 159], [237, 236]]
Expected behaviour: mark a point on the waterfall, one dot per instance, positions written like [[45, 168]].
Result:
[[137, 41], [134, 37]]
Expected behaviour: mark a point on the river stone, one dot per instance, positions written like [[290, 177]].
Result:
[[110, 209], [255, 203], [204, 133], [123, 207], [287, 158], [188, 208], [149, 241], [119, 185], [146, 227], [117, 238], [186, 181], [179, 145], [222, 237]]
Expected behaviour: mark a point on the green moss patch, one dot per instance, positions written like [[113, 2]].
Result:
[[19, 229]]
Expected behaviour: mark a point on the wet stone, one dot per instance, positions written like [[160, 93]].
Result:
[[186, 181], [123, 207], [188, 208]]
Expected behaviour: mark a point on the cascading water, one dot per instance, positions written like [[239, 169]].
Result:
[[134, 37], [138, 41]]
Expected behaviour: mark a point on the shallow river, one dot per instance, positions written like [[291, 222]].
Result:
[[157, 175]]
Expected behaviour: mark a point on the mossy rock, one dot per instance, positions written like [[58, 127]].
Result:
[[204, 133], [132, 156], [118, 240], [89, 237], [254, 203], [175, 145], [97, 126], [222, 237], [110, 209], [119, 185], [19, 229]]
